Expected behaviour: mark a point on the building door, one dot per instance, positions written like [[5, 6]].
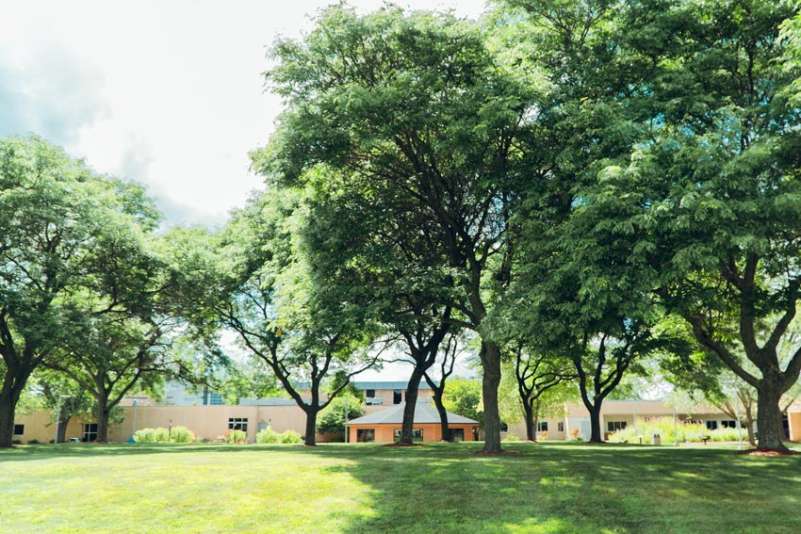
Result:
[[457, 434]]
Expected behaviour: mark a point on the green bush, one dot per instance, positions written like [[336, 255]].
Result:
[[268, 436], [179, 434], [673, 432], [236, 437], [290, 437], [511, 437]]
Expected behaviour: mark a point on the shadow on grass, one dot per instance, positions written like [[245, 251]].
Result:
[[540, 488]]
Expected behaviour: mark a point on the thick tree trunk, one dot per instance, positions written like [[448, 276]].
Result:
[[770, 432], [9, 396], [102, 425], [310, 438], [407, 428], [531, 424], [7, 409], [491, 362], [595, 423]]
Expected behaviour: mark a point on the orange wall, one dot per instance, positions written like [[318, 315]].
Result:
[[385, 433]]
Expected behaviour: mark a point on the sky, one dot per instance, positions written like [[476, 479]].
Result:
[[167, 93]]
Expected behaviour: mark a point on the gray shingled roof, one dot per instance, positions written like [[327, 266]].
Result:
[[424, 412]]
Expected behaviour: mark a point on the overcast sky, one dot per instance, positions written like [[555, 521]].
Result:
[[168, 93]]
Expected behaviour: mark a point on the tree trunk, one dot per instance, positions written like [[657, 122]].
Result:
[[61, 430], [595, 423], [770, 432], [531, 424], [491, 362], [102, 425], [9, 396], [407, 428], [443, 417], [310, 438]]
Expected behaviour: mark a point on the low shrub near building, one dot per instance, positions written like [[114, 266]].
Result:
[[178, 434], [236, 437], [268, 436], [672, 432]]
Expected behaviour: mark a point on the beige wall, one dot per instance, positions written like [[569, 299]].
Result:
[[41, 427]]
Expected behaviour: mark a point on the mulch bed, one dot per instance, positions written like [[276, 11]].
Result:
[[769, 453]]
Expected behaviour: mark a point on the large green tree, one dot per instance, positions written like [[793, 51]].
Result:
[[58, 229], [417, 114], [709, 200], [255, 280]]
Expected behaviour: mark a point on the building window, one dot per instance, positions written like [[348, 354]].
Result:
[[457, 434], [397, 396], [711, 425], [417, 434], [216, 399], [560, 426], [369, 393], [90, 432], [542, 426], [238, 423], [364, 435], [728, 423], [504, 427], [19, 430], [614, 426]]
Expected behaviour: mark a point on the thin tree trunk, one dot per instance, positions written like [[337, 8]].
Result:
[[310, 438], [770, 432], [61, 431], [531, 424], [443, 419], [491, 361], [407, 428]]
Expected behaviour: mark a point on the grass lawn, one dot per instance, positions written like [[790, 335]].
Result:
[[339, 488]]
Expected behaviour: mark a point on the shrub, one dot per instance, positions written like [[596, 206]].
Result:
[[236, 437], [511, 437], [268, 435], [290, 437], [673, 432], [179, 434]]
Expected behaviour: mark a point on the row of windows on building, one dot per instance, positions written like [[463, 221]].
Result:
[[711, 424], [365, 435], [89, 430], [397, 396]]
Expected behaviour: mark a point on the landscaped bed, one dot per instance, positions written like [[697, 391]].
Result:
[[354, 488]]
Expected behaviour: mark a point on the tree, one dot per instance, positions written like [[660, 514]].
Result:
[[341, 410], [463, 396], [418, 117], [708, 200], [536, 374], [56, 219], [439, 384], [255, 280], [64, 397]]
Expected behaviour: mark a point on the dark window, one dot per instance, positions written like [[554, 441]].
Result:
[[614, 426], [397, 397], [238, 423], [711, 425], [728, 423], [504, 427], [19, 430], [457, 434], [560, 426], [417, 434], [370, 393], [542, 426], [216, 399], [365, 434], [90, 432]]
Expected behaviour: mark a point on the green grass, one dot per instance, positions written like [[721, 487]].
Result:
[[337, 488]]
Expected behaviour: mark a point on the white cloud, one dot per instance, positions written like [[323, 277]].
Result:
[[168, 93]]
